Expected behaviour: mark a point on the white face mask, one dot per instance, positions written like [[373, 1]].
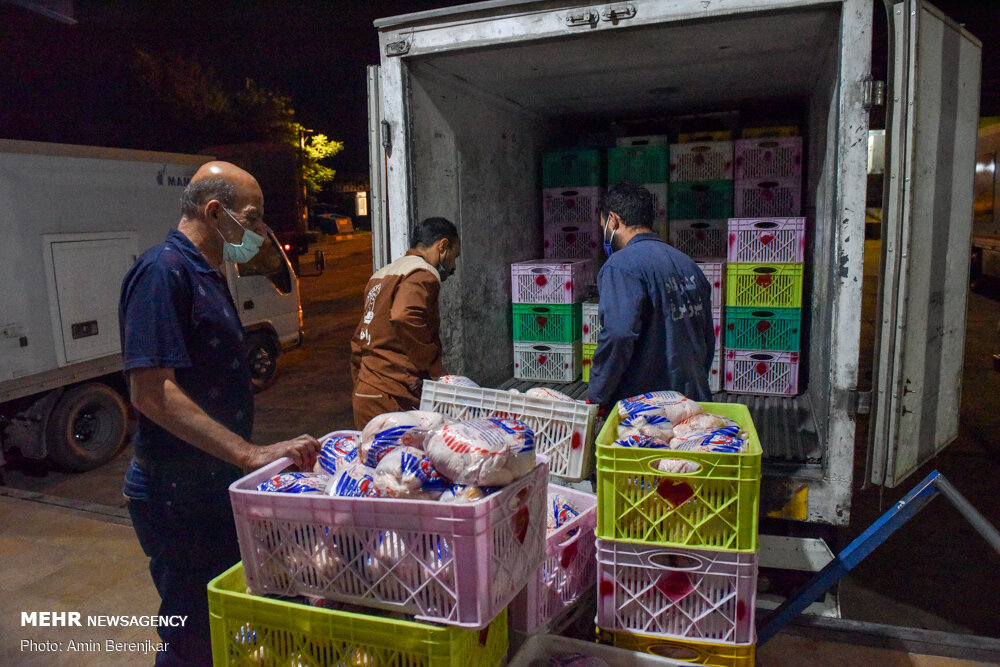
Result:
[[249, 245]]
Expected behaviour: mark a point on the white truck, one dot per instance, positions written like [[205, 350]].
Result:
[[74, 218], [986, 216], [467, 98]]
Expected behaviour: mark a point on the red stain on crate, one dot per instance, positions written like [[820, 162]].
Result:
[[763, 326], [675, 585], [741, 610], [542, 359], [675, 493], [761, 368], [606, 588], [766, 239], [541, 281], [575, 442], [586, 328], [764, 281], [542, 321], [521, 520], [568, 286], [568, 556]]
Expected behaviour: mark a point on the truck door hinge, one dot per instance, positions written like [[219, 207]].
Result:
[[861, 402], [583, 19], [399, 48], [872, 93], [616, 13]]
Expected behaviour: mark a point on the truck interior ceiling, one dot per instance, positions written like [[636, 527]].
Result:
[[480, 120]]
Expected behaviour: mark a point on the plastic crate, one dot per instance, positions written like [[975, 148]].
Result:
[[591, 322], [576, 168], [715, 275], [639, 164], [715, 375], [547, 362], [764, 285], [588, 360], [770, 131], [763, 328], [572, 242], [714, 507], [700, 653], [251, 630], [569, 568], [644, 140], [547, 322], [767, 240], [458, 564], [660, 200], [701, 161], [538, 650], [768, 158], [564, 432], [677, 593], [762, 372], [576, 206], [717, 324], [703, 200], [550, 280], [700, 239], [767, 199]]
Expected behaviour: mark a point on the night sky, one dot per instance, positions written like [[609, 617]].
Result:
[[70, 83]]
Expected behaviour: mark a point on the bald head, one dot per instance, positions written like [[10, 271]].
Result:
[[222, 181]]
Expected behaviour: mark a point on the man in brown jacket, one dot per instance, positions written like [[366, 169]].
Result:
[[397, 345]]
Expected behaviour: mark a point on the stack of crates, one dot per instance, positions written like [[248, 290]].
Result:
[[645, 161], [677, 551], [701, 194], [591, 329], [765, 274], [547, 317], [572, 187]]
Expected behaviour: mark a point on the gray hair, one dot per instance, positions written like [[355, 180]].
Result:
[[200, 192]]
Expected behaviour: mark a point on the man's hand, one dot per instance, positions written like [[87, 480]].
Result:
[[302, 450]]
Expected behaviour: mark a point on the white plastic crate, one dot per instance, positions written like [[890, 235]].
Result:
[[571, 206], [563, 431], [453, 563], [676, 593], [767, 199], [700, 239], [717, 323], [547, 362], [644, 140], [550, 280], [569, 568], [715, 375], [715, 274], [768, 158], [701, 161], [767, 240], [572, 242], [540, 648], [762, 372], [591, 322]]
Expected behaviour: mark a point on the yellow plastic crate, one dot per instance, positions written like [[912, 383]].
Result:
[[252, 630], [714, 507], [588, 358], [700, 653], [764, 285]]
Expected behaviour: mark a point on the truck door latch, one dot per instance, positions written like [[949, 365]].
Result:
[[861, 402], [400, 48], [872, 94], [616, 13], [587, 17]]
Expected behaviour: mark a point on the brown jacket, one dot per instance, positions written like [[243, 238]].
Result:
[[398, 342]]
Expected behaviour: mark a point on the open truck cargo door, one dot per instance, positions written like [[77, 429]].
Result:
[[378, 148], [926, 240]]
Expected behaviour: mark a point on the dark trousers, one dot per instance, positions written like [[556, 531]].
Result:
[[189, 542]]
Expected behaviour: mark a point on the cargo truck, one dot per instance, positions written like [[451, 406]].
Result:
[[467, 99], [74, 218]]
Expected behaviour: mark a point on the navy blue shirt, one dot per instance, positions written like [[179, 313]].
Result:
[[176, 312], [656, 324]]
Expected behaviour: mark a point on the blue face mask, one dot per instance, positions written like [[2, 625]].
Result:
[[247, 249], [607, 242]]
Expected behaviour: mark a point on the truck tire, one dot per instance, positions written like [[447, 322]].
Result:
[[262, 354], [87, 427]]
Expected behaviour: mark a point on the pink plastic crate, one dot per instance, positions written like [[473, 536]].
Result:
[[700, 239], [717, 322], [762, 372], [715, 375], [767, 240], [452, 563], [768, 158], [548, 362], [591, 322], [677, 593], [550, 280], [572, 242], [571, 206], [701, 161], [715, 274], [767, 199], [569, 568]]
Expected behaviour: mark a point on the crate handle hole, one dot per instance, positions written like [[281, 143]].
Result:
[[681, 653], [762, 313], [762, 357], [672, 561], [570, 537], [765, 269], [769, 144], [765, 225], [570, 230], [701, 149], [569, 193], [675, 466], [700, 225], [767, 185]]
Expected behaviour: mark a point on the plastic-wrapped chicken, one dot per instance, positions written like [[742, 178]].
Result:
[[482, 452], [296, 482], [356, 481], [338, 450], [545, 392], [713, 443], [459, 493], [673, 405], [640, 440], [560, 511], [653, 426], [704, 424], [406, 472], [459, 380], [394, 429]]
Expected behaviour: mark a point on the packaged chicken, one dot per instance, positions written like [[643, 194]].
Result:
[[338, 450], [673, 405], [705, 424], [406, 472], [460, 493], [560, 511], [387, 431], [296, 482], [356, 481], [545, 392], [653, 426], [459, 380], [482, 452]]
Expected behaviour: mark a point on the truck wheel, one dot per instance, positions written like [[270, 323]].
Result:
[[262, 353], [87, 427]]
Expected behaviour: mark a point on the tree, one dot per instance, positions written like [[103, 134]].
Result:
[[315, 148]]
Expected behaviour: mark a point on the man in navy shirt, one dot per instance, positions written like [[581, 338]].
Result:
[[189, 379], [656, 308]]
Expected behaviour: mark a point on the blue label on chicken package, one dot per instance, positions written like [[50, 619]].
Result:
[[355, 482], [640, 441], [421, 468], [295, 482], [337, 452], [515, 427]]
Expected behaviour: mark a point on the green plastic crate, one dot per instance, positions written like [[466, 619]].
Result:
[[547, 322], [764, 285], [714, 507], [691, 200], [252, 630], [573, 168], [777, 329], [639, 164], [588, 358]]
